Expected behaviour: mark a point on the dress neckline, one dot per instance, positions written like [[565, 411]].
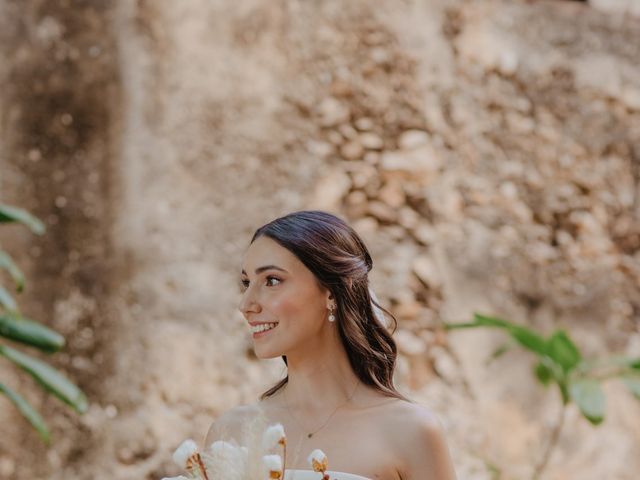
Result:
[[342, 475]]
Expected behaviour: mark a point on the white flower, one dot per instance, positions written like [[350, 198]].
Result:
[[271, 463], [272, 436], [318, 460], [179, 477], [184, 451]]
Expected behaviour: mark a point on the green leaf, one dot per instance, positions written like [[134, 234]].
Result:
[[543, 373], [48, 377], [7, 263], [563, 351], [529, 339], [9, 214], [21, 329], [487, 321], [6, 300], [588, 395], [633, 384], [635, 363], [27, 411]]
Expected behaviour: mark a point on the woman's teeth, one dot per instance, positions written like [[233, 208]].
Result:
[[262, 327]]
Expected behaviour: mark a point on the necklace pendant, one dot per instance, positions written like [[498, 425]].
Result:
[[309, 435]]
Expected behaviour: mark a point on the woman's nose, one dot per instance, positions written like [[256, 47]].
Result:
[[248, 303]]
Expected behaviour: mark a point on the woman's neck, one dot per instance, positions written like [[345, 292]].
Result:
[[319, 380]]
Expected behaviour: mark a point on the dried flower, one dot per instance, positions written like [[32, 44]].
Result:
[[318, 461], [179, 477], [185, 451], [273, 436], [272, 465], [226, 460]]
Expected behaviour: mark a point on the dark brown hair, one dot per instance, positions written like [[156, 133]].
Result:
[[340, 262]]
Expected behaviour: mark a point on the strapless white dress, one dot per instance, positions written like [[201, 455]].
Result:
[[290, 474]]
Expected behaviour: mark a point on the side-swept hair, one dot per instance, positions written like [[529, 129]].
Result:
[[340, 262]]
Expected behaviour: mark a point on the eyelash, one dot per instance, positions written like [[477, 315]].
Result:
[[245, 283]]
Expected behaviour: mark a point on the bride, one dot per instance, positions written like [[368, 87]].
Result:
[[306, 298]]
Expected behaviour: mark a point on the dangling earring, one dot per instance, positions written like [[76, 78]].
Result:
[[332, 317]]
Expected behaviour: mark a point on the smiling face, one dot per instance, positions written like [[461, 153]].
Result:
[[279, 288]]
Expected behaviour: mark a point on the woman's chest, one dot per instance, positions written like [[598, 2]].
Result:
[[357, 444]]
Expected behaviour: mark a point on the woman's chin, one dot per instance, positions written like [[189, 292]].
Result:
[[265, 354]]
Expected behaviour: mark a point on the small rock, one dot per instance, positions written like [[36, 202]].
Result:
[[382, 212], [392, 194], [409, 343], [348, 131], [352, 150], [331, 189], [413, 139], [371, 141], [421, 160], [364, 124], [426, 271], [333, 112]]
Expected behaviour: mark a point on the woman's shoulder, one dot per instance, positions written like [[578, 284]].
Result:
[[404, 419]]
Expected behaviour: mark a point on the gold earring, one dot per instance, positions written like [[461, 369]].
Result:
[[332, 317]]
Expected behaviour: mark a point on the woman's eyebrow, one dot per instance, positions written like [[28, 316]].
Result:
[[267, 267]]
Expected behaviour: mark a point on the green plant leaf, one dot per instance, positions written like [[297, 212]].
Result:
[[29, 332], [543, 373], [633, 384], [529, 339], [6, 300], [634, 363], [487, 321], [588, 395], [27, 411], [9, 214], [563, 351], [6, 263], [48, 377]]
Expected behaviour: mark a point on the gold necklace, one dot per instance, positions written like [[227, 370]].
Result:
[[311, 434]]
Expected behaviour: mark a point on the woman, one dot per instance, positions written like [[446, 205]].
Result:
[[306, 298]]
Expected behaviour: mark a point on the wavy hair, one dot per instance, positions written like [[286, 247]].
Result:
[[340, 262]]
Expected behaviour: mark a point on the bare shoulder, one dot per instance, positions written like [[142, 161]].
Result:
[[420, 442], [228, 426]]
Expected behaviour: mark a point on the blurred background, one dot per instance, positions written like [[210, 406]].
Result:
[[488, 152]]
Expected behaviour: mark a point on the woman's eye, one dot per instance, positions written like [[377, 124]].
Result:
[[272, 278], [244, 284]]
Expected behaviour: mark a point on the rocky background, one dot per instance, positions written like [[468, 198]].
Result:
[[487, 151]]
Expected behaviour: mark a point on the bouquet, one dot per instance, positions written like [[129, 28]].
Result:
[[226, 460]]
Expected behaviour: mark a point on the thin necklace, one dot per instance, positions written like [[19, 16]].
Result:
[[311, 434]]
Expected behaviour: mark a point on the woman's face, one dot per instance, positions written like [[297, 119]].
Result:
[[278, 288]]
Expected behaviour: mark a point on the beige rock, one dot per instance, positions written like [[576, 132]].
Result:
[[382, 212], [392, 194], [427, 271], [371, 141], [413, 139], [409, 343], [352, 150], [333, 112], [364, 124], [330, 190], [419, 161]]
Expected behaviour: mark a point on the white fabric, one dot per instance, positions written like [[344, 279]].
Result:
[[311, 475]]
